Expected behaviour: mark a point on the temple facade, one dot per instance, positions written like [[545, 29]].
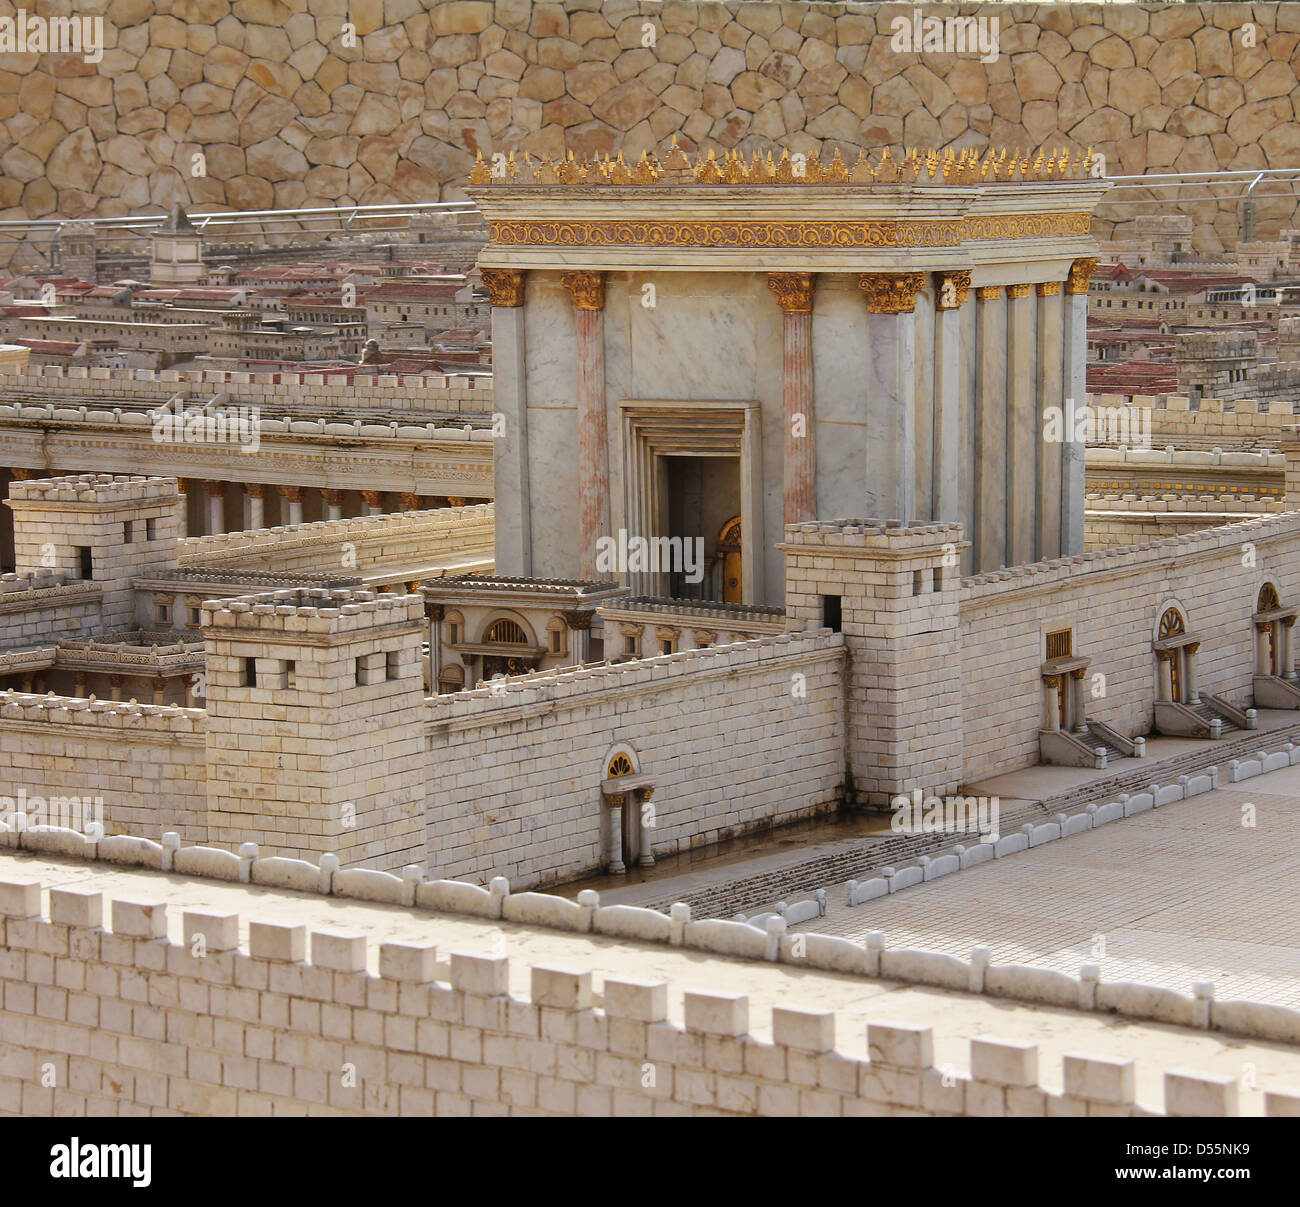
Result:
[[731, 347]]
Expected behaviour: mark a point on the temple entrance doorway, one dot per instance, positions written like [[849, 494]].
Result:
[[703, 504]]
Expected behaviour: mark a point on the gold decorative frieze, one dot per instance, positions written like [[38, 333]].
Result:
[[1020, 291], [505, 286], [951, 289], [587, 289], [912, 166], [988, 293], [891, 293], [793, 291], [809, 233], [1048, 289], [1080, 274]]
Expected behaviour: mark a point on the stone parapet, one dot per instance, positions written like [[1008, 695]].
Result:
[[309, 610], [93, 490]]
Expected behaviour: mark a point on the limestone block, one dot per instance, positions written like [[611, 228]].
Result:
[[337, 951], [643, 1001], [561, 989], [1099, 1079], [218, 932], [484, 976], [1004, 1062], [808, 1030], [76, 907], [272, 941], [717, 1013], [902, 1045], [20, 898], [140, 919], [1199, 1094]]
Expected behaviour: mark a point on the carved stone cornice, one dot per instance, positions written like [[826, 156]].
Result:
[[587, 289], [505, 286], [1020, 291], [577, 620], [1080, 274], [988, 293], [891, 293], [793, 291], [1048, 289], [951, 289]]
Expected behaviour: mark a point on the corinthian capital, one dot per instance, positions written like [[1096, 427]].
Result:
[[1080, 274], [587, 289], [793, 291], [891, 293], [505, 286]]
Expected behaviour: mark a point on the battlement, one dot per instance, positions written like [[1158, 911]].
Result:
[[1225, 538], [308, 610], [39, 580], [95, 490], [880, 538], [139, 719]]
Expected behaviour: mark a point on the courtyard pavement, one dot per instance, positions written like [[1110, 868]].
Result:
[[1175, 895]]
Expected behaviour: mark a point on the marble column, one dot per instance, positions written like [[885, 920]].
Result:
[[1080, 710], [891, 393], [794, 293], [615, 861], [1261, 647], [1190, 693], [990, 430], [293, 496], [115, 683], [256, 504], [333, 504], [1164, 676], [1022, 435], [1076, 388], [513, 513], [645, 857], [1051, 332], [374, 501], [951, 290], [579, 626], [1288, 649], [1052, 702], [587, 289], [183, 508], [216, 507], [159, 687]]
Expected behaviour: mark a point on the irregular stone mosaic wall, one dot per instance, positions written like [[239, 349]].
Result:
[[286, 114]]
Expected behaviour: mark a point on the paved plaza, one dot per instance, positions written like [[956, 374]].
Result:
[[1168, 897]]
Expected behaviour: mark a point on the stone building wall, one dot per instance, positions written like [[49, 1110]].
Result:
[[286, 114], [1114, 600], [146, 762], [514, 777]]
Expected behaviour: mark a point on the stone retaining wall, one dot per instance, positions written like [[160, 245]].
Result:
[[287, 114]]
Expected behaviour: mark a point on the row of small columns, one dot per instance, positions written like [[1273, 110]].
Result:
[[257, 492], [887, 294], [37, 683]]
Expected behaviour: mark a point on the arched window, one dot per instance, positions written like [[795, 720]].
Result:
[[451, 679], [1268, 600], [555, 630], [506, 632], [455, 628], [1172, 624], [619, 765]]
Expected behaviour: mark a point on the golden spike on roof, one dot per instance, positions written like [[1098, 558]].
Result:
[[646, 172], [836, 172], [707, 171], [784, 170], [737, 172], [481, 173]]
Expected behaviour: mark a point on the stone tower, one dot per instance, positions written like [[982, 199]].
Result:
[[107, 528], [176, 252], [315, 738], [892, 589], [77, 252]]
